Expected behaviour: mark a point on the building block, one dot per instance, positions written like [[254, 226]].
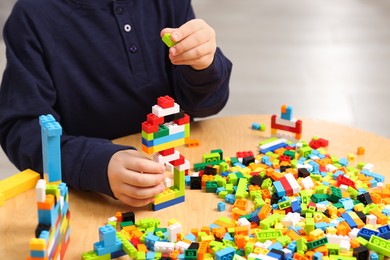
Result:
[[167, 40], [18, 183], [51, 132]]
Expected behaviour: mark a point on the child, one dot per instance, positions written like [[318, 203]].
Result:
[[98, 66]]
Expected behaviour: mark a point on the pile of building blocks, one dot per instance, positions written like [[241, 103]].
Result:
[[288, 200], [52, 234], [286, 122], [311, 205], [166, 128]]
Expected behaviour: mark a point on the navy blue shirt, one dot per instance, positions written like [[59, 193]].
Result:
[[98, 66]]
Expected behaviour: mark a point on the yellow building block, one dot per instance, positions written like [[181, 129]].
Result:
[[38, 244], [18, 183], [2, 199], [165, 196], [160, 147]]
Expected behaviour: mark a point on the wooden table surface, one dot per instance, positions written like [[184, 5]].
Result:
[[18, 217]]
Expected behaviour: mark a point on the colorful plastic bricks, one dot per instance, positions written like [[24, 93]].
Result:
[[159, 138], [52, 234]]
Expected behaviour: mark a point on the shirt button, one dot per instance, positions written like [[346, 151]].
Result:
[[127, 28], [133, 48], [119, 10]]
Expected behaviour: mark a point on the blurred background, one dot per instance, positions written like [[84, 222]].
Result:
[[328, 59]]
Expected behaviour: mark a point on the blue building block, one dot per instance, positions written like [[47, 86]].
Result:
[[367, 233], [228, 237], [343, 162], [349, 220], [163, 140], [230, 198], [374, 256], [225, 254], [38, 254], [51, 132], [100, 249], [221, 206], [287, 115], [107, 235], [279, 188], [190, 237], [317, 256], [384, 232]]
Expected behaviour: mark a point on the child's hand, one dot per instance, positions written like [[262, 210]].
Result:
[[135, 179], [195, 44]]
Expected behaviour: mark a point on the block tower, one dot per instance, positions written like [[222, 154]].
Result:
[[286, 122], [164, 129], [53, 231]]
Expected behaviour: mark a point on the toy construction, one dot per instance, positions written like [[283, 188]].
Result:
[[286, 122], [159, 138], [52, 234]]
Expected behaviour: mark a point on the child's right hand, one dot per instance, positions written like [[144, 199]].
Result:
[[135, 179]]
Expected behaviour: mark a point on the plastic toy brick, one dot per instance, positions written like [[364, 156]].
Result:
[[268, 234], [18, 183], [379, 245], [193, 143], [167, 40], [165, 101]]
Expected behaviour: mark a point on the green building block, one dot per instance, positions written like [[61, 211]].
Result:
[[191, 254], [211, 186], [128, 247], [163, 130], [309, 225], [319, 197], [167, 40], [301, 245], [284, 204], [232, 178], [218, 151], [211, 157], [317, 243], [379, 245], [241, 192], [91, 255], [266, 183], [335, 194], [268, 234], [284, 240], [333, 249], [223, 167]]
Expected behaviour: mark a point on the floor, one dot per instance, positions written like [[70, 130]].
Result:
[[328, 59]]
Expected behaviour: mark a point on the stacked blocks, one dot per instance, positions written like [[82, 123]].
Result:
[[52, 234], [159, 138], [286, 122]]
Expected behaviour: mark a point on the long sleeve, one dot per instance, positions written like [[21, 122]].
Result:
[[98, 66]]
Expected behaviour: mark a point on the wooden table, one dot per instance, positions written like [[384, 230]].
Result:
[[18, 217]]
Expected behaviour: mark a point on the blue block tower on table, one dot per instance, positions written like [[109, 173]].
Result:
[[52, 234], [159, 138], [51, 132]]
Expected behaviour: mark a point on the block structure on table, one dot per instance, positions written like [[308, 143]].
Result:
[[286, 122], [52, 234], [164, 129]]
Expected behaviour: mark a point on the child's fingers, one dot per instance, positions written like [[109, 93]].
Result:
[[142, 180], [165, 31], [187, 29]]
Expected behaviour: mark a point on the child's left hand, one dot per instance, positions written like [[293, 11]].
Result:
[[195, 44]]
